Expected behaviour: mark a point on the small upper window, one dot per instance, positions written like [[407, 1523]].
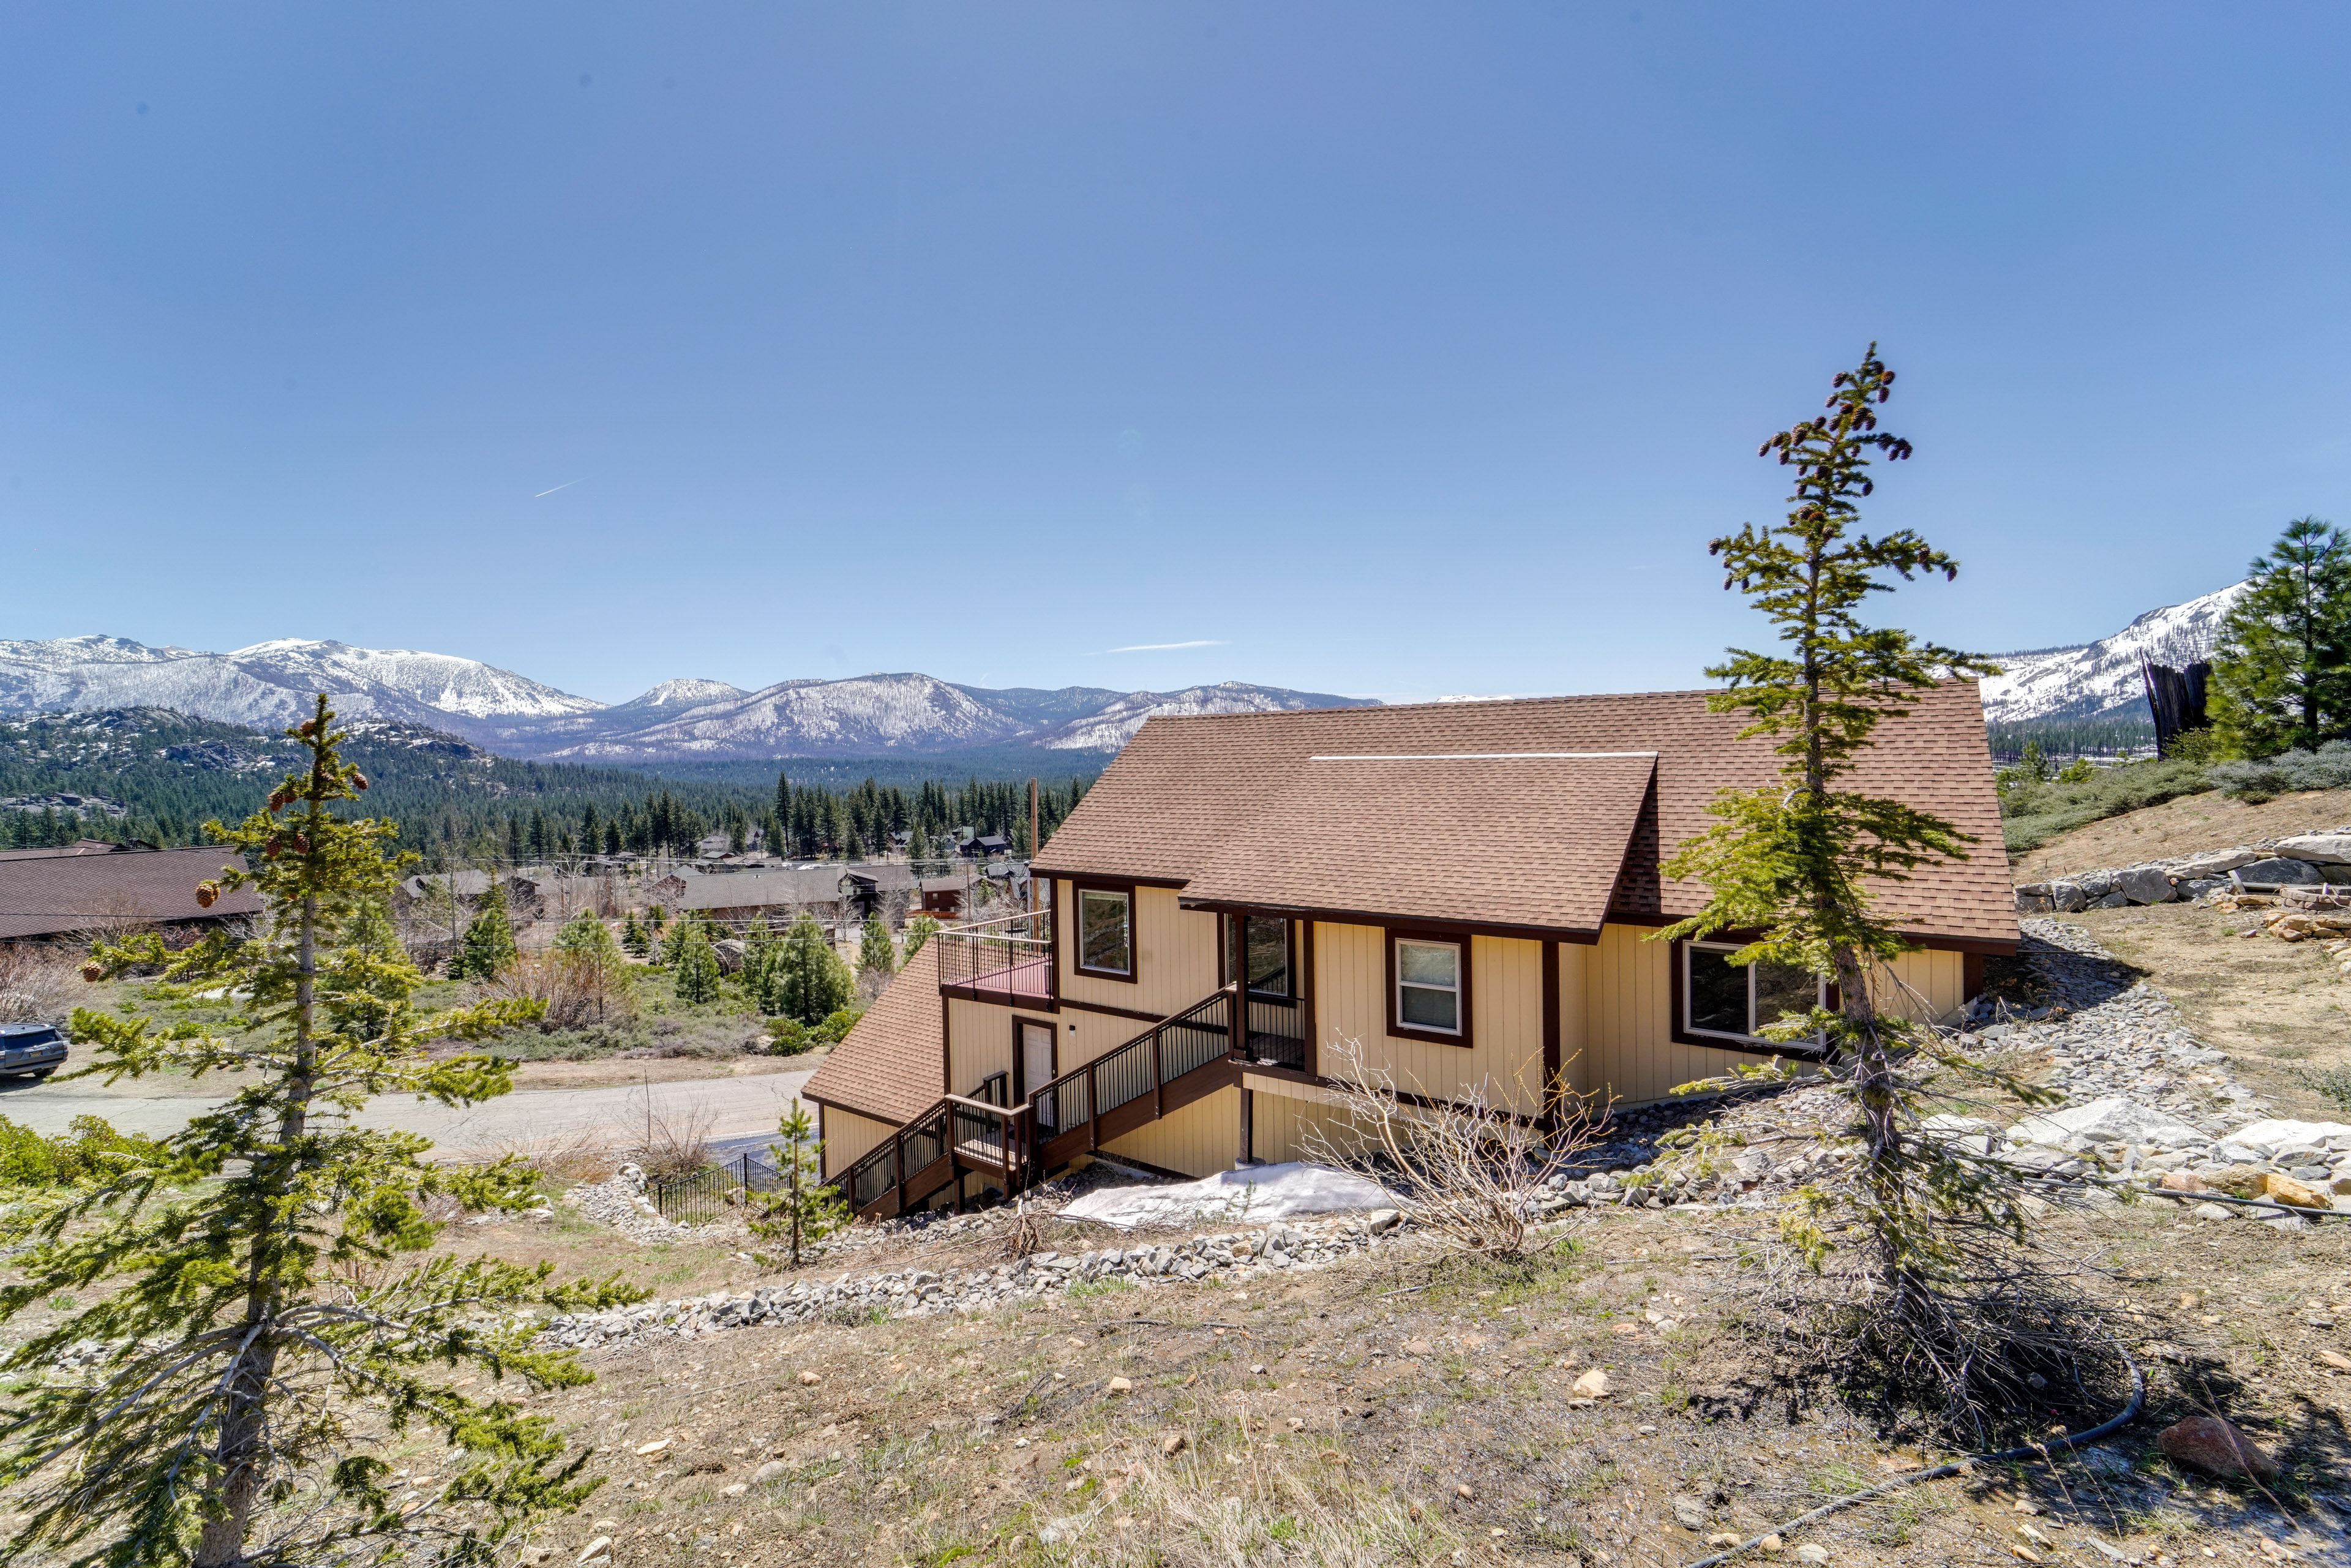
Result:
[[1428, 985], [1106, 931], [1720, 997], [1261, 953]]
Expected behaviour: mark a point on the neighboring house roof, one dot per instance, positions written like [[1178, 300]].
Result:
[[1171, 805], [888, 1066], [58, 895], [772, 887], [463, 883], [1533, 842], [78, 847]]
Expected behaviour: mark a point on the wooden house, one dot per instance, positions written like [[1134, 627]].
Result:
[[1469, 895]]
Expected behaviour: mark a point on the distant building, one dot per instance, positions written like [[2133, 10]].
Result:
[[92, 888]]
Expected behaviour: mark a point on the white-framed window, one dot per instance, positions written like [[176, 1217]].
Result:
[[1106, 931], [1428, 985], [1719, 997]]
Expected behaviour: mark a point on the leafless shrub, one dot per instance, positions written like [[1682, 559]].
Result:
[[1461, 1164], [578, 991], [667, 1141], [572, 1153], [38, 984], [112, 916]]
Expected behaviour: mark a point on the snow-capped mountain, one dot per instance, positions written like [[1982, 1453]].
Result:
[[270, 684], [2101, 677], [1115, 725]]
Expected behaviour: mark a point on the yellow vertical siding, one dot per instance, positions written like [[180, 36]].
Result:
[[1200, 1140], [1930, 987], [847, 1139], [1174, 956], [1505, 1056], [1630, 1054], [1287, 1124]]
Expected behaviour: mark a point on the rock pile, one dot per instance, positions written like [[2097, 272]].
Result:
[[1236, 1256], [2303, 859], [620, 1203]]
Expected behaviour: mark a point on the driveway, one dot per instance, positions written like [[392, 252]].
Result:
[[738, 1109]]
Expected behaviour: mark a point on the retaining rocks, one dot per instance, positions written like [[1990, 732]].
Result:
[[2303, 860]]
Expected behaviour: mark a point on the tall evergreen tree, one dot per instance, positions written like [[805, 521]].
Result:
[[875, 955], [258, 1333], [1789, 866], [816, 983], [693, 967], [490, 942], [2282, 673]]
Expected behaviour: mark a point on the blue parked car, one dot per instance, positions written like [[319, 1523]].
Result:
[[30, 1050]]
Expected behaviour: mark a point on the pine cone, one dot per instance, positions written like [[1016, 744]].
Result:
[[359, 781], [93, 970], [207, 895]]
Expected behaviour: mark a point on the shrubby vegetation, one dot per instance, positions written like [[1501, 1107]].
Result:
[[93, 1152], [2328, 767], [2034, 812]]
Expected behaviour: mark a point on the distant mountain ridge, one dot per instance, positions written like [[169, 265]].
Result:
[[2102, 679], [271, 683]]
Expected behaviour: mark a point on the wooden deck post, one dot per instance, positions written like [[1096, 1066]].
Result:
[[1094, 1103], [1158, 1079]]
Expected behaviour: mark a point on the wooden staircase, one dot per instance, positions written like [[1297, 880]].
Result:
[[1177, 1061]]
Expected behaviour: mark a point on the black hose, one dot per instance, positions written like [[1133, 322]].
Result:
[[2025, 1451]]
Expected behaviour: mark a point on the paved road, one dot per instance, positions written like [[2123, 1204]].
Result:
[[738, 1109]]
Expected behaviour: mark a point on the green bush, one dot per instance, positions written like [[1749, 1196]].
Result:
[[836, 1025], [91, 1151], [2328, 767], [2035, 812]]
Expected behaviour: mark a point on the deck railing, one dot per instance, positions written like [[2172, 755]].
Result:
[[1010, 957], [1277, 1032], [1161, 1054]]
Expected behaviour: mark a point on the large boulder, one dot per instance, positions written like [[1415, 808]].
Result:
[[2322, 849], [2279, 871], [2116, 1119], [2280, 1135], [2070, 897], [2215, 863], [2209, 1444], [2144, 885]]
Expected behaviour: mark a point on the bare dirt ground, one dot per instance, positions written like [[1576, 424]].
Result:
[[1406, 1408], [2181, 827], [2278, 1008]]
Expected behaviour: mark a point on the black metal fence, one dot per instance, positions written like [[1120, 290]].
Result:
[[714, 1192]]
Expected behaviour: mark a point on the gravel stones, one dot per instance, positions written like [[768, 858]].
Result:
[[1237, 1256], [2116, 1118]]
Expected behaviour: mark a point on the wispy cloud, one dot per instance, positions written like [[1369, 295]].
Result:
[[565, 485], [1163, 647]]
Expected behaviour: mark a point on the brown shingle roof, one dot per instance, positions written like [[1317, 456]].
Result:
[[1185, 787], [889, 1065], [58, 895], [1505, 841]]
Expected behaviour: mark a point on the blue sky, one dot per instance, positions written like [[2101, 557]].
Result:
[[1400, 349]]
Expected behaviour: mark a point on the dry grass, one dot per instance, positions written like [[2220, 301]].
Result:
[[578, 992], [665, 1142], [578, 1155], [39, 984], [2186, 826]]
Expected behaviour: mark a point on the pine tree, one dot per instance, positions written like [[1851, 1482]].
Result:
[[513, 841], [875, 955], [633, 938], [591, 834], [919, 930], [693, 967], [816, 983], [260, 1337], [587, 942], [2282, 673], [489, 943], [1789, 866], [806, 1208]]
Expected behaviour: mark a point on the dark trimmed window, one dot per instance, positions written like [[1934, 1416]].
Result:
[[1428, 985], [1735, 1001], [1106, 932]]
